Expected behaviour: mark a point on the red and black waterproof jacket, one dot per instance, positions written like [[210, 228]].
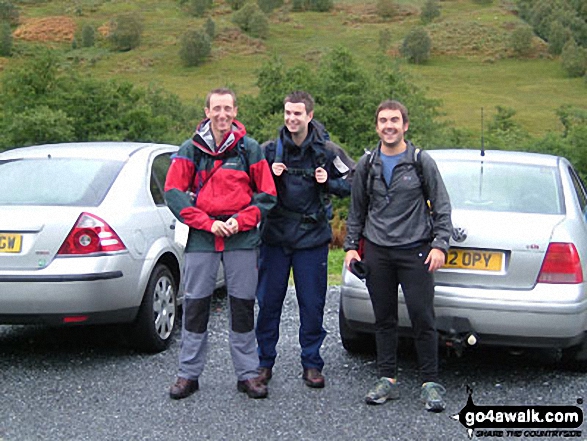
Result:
[[231, 180]]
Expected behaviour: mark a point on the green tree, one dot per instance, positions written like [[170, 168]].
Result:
[[40, 125], [321, 5], [384, 39], [9, 12], [430, 11], [574, 59], [557, 37], [235, 5], [268, 6], [521, 40], [504, 133], [88, 35], [252, 21], [386, 8], [195, 47], [416, 46], [210, 28], [5, 39], [125, 32], [198, 8]]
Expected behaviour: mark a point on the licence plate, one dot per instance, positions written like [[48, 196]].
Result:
[[477, 260], [10, 243]]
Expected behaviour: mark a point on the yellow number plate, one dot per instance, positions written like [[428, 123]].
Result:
[[470, 259], [10, 243]]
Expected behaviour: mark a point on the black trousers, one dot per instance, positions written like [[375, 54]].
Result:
[[387, 269]]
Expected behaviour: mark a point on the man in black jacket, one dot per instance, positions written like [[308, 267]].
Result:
[[307, 168], [401, 210]]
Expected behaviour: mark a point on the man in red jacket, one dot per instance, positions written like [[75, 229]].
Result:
[[220, 185]]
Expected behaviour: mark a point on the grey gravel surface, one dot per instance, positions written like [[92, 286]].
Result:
[[84, 384]]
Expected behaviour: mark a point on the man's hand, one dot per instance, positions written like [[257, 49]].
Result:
[[435, 259], [232, 225], [350, 255], [220, 229], [278, 168], [321, 175]]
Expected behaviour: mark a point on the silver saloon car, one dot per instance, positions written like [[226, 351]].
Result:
[[86, 238], [515, 272]]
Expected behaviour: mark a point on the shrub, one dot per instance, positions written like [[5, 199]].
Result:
[[8, 12], [195, 46], [574, 59], [416, 46], [521, 40], [557, 37], [5, 39], [41, 125], [88, 35], [430, 11], [269, 5], [198, 8], [210, 28], [386, 8], [252, 21], [125, 32], [384, 39], [235, 5], [321, 5]]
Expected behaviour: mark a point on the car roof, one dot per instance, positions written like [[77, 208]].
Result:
[[111, 150], [529, 158]]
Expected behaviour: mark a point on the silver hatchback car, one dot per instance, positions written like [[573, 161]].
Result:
[[86, 238], [515, 271]]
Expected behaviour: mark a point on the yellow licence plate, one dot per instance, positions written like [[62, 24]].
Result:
[[10, 243], [470, 259]]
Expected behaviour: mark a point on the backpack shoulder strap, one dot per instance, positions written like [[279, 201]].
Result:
[[420, 171]]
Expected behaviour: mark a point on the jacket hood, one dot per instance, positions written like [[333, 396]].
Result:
[[204, 138], [316, 134]]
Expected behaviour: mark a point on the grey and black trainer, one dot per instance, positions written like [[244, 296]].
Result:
[[431, 394], [382, 391]]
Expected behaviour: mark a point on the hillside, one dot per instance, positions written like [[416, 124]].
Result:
[[471, 65]]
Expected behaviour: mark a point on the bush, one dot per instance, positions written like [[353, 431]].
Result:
[[386, 8], [8, 12], [574, 59], [210, 28], [416, 46], [298, 5], [430, 11], [194, 48], [321, 5], [521, 40], [198, 8], [125, 32], [252, 21], [269, 5], [5, 39], [384, 39], [41, 125], [557, 37], [235, 5], [88, 36]]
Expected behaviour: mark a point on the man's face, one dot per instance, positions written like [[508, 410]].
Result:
[[221, 113], [296, 118], [390, 127]]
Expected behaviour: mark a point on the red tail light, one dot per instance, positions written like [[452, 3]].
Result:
[[561, 265], [91, 235]]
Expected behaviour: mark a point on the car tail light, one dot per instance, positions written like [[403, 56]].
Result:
[[561, 264], [91, 235]]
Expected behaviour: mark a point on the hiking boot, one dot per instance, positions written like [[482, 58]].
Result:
[[265, 374], [382, 391], [431, 395], [183, 388], [313, 378], [253, 387]]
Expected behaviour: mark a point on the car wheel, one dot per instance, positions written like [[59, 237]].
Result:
[[575, 358], [156, 321], [353, 341]]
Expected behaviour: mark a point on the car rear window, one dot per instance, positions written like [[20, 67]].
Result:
[[502, 187], [56, 181]]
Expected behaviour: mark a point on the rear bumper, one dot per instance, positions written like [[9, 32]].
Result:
[[497, 317]]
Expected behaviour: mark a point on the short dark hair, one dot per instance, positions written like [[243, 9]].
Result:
[[300, 96], [221, 91], [392, 105]]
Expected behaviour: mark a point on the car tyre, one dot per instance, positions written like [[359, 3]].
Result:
[[156, 321], [353, 341], [575, 358]]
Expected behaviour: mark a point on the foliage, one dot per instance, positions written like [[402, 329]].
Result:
[[574, 59], [88, 35], [9, 12], [384, 39], [198, 8], [125, 32], [235, 5], [210, 28], [44, 101], [430, 11], [195, 47], [320, 5], [5, 39], [558, 37], [269, 5], [252, 20], [416, 46], [386, 8], [521, 40], [504, 133]]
